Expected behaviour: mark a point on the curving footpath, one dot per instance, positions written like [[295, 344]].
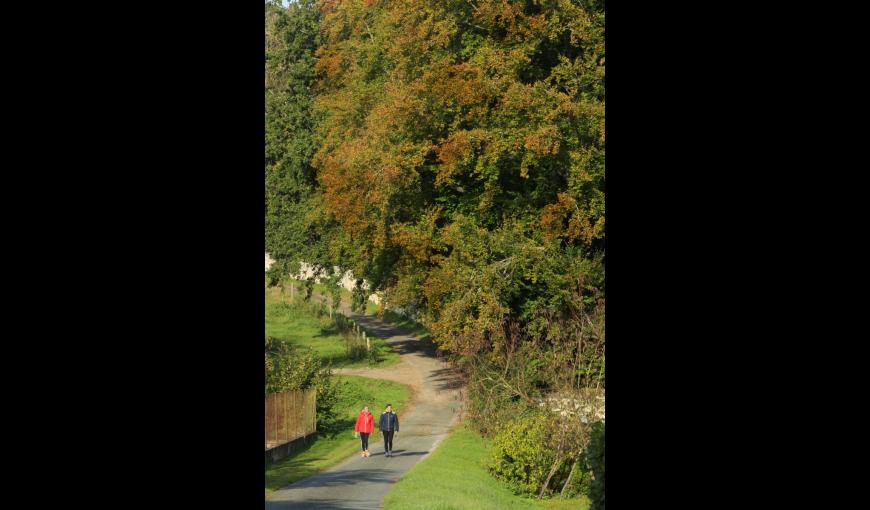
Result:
[[436, 404]]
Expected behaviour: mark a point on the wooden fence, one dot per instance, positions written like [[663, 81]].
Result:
[[290, 415]]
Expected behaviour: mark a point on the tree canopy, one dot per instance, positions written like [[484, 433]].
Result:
[[451, 153]]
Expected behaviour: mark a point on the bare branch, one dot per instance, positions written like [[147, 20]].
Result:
[[369, 30]]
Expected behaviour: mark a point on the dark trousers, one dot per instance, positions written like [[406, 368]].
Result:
[[364, 437], [388, 440]]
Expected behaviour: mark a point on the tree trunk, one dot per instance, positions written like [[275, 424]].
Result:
[[552, 472], [568, 481]]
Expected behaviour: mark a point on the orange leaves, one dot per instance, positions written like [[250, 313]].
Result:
[[553, 216], [510, 17], [461, 84], [453, 151], [457, 151], [417, 27], [327, 7], [541, 143], [397, 109], [544, 141], [501, 13], [329, 63], [421, 239], [566, 219], [346, 176]]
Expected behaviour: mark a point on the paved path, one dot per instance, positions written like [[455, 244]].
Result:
[[362, 483]]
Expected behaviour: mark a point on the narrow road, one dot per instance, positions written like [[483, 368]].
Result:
[[436, 403]]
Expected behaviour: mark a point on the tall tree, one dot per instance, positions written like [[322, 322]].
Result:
[[295, 224], [462, 151]]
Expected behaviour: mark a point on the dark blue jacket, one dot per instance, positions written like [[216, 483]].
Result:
[[389, 421]]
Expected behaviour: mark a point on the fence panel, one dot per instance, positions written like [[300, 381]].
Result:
[[290, 415]]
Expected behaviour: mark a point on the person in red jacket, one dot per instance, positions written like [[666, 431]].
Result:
[[365, 425]]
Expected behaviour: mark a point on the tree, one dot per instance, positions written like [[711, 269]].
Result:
[[296, 227], [465, 156]]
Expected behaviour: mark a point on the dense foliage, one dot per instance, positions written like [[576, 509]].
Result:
[[462, 153], [296, 225], [519, 454], [537, 454], [595, 459]]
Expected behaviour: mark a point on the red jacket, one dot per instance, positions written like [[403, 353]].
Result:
[[365, 423]]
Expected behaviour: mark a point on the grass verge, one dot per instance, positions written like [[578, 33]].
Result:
[[299, 326], [453, 477]]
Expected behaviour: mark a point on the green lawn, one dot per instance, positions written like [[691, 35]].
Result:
[[453, 478], [411, 327], [324, 452], [298, 326]]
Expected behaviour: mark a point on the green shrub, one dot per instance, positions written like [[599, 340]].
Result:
[[595, 458], [524, 452], [520, 455], [581, 483], [288, 367], [279, 309], [326, 324], [374, 355], [356, 351]]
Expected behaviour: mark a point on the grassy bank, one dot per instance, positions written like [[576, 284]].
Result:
[[298, 326], [326, 451], [408, 325], [453, 477]]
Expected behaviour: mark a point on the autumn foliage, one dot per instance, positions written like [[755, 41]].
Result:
[[463, 153]]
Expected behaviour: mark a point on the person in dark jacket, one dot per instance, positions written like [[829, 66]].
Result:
[[389, 425]]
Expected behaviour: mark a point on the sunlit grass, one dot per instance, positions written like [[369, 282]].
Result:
[[453, 477], [300, 327]]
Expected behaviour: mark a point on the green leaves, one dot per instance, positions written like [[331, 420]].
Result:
[[524, 452], [595, 459], [296, 225], [289, 368]]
